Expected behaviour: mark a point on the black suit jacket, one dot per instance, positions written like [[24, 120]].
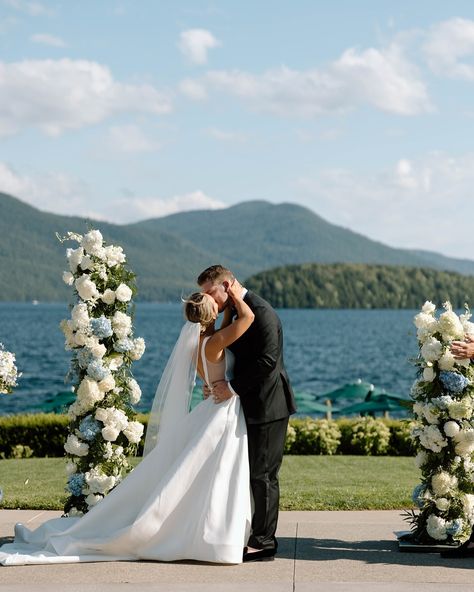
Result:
[[260, 377]]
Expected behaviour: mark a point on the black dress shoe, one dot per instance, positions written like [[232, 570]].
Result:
[[462, 551], [262, 555]]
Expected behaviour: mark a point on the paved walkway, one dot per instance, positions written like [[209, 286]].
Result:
[[319, 551]]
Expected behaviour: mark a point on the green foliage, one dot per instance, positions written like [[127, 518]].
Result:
[[359, 286], [370, 436], [45, 434], [167, 253]]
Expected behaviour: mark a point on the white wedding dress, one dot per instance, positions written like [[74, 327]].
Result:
[[193, 503]]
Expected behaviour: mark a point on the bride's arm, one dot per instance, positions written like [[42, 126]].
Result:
[[224, 337], [227, 317]]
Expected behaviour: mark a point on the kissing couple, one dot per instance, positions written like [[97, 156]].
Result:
[[207, 488]]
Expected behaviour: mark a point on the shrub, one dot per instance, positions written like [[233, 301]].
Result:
[[370, 436], [316, 437]]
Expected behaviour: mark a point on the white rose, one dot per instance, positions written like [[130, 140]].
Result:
[[450, 325], [110, 433], [436, 528], [464, 442], [108, 296], [460, 409], [80, 317], [74, 257], [138, 349], [98, 350], [68, 278], [86, 288], [431, 413], [114, 362], [92, 500], [429, 374], [74, 512], [123, 293], [98, 481], [451, 428], [87, 263], [468, 505], [420, 459], [80, 339], [71, 468], [88, 394]]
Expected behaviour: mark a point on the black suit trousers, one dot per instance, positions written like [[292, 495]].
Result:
[[266, 442]]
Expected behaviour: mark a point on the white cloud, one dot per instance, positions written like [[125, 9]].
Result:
[[30, 8], [140, 208], [447, 43], [193, 89], [227, 136], [384, 79], [45, 39], [424, 203], [57, 95], [130, 138], [194, 44]]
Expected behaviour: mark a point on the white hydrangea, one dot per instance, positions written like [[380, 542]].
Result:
[[86, 288], [432, 439], [467, 325], [134, 431], [93, 499], [138, 349], [68, 278], [71, 468], [108, 296], [442, 503], [75, 447], [75, 513], [134, 390], [123, 293], [114, 255], [420, 459], [431, 413], [436, 527], [88, 394], [450, 325], [451, 428], [121, 324], [97, 349], [92, 243], [464, 442], [114, 361], [80, 317], [468, 505], [107, 384], [432, 349], [428, 308], [426, 324], [74, 257], [114, 420], [99, 482], [443, 482], [87, 263], [460, 409], [447, 361], [66, 328]]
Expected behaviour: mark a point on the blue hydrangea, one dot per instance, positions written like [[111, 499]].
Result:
[[84, 358], [89, 428], [417, 495], [123, 345], [455, 527], [454, 382], [101, 327], [75, 483], [97, 371]]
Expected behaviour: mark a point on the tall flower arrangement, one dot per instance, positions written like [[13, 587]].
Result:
[[443, 407], [102, 430], [8, 371]]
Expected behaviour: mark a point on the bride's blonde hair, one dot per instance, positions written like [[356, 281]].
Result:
[[198, 309]]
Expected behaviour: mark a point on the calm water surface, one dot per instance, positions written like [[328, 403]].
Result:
[[324, 349]]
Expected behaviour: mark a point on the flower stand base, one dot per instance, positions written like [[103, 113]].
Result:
[[407, 543]]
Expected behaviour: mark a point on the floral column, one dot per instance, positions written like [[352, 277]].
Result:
[[102, 429]]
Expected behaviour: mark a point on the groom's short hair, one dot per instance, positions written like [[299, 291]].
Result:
[[215, 274]]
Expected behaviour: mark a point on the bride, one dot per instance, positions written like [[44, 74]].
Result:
[[189, 498]]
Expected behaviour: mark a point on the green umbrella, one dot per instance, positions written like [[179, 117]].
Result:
[[58, 403], [374, 405], [351, 390]]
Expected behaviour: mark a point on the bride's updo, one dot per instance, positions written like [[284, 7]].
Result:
[[198, 309]]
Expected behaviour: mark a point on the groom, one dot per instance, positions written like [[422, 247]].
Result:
[[266, 396]]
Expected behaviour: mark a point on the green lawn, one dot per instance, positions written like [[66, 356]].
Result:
[[307, 482]]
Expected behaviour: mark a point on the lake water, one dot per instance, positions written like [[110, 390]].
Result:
[[324, 349]]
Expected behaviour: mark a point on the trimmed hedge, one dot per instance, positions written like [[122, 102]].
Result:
[[44, 434]]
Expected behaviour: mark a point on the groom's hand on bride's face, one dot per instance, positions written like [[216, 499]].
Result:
[[221, 391]]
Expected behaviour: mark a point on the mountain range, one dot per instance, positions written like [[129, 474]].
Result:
[[168, 253]]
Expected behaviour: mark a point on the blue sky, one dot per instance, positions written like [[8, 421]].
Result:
[[362, 111]]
